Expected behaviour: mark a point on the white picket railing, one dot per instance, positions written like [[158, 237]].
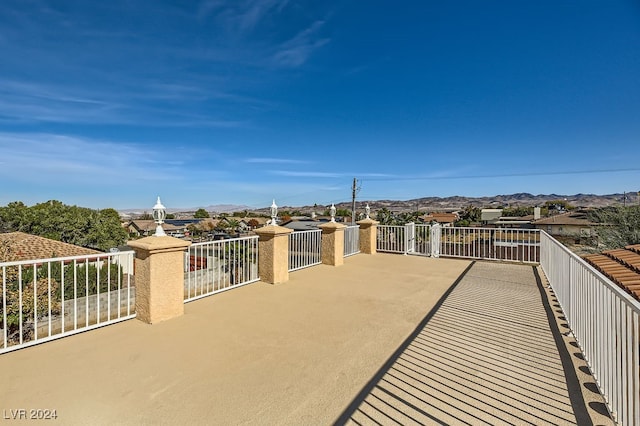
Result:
[[351, 240], [604, 321], [305, 249], [215, 266], [46, 299], [517, 245], [391, 239]]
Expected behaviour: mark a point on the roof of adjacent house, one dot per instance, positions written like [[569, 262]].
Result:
[[27, 247], [571, 218], [621, 266], [259, 220], [150, 225], [304, 225], [440, 217]]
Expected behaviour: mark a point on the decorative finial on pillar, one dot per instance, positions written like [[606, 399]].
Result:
[[274, 213], [159, 213]]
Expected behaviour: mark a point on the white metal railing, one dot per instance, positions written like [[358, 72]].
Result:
[[391, 238], [351, 240], [215, 266], [46, 299], [519, 245], [605, 322], [305, 249]]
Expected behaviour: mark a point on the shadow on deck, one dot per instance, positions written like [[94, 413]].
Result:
[[490, 352]]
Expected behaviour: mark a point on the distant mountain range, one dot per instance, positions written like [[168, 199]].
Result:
[[512, 200], [434, 203], [217, 208]]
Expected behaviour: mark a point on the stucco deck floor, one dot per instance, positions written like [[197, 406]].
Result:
[[332, 344]]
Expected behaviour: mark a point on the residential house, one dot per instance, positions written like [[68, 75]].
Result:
[[490, 216], [172, 227], [571, 225], [252, 223]]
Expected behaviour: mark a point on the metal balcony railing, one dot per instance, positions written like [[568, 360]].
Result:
[[46, 299], [351, 240], [305, 249], [604, 321], [215, 266]]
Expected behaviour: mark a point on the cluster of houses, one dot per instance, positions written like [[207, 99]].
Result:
[[621, 265], [206, 228], [565, 225]]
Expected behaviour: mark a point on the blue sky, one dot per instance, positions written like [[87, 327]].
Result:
[[109, 104]]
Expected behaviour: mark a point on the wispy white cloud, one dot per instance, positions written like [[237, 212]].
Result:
[[295, 52], [241, 16], [51, 159], [269, 160], [306, 174], [32, 102], [256, 10]]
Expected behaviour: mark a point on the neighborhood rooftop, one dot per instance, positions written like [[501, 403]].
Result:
[[26, 246]]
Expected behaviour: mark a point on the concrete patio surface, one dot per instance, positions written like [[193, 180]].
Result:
[[320, 349]]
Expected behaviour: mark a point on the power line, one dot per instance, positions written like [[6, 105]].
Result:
[[572, 172]]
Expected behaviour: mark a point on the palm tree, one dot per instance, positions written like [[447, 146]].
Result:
[[233, 225]]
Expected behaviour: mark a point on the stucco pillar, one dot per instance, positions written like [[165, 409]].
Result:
[[332, 243], [159, 278], [368, 236], [273, 254]]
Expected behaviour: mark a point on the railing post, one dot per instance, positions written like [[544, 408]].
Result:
[[159, 278], [368, 235], [273, 254], [332, 243], [436, 235]]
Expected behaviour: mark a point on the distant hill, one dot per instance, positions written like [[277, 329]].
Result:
[[215, 208], [459, 202], [452, 203]]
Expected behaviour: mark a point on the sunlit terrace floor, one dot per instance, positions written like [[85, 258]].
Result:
[[383, 339]]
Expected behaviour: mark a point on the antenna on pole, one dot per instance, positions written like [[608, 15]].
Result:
[[354, 190]]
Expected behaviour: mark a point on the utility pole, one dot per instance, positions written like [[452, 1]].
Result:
[[354, 191], [625, 199]]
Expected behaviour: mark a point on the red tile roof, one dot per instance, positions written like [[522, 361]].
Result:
[[440, 217], [27, 247], [621, 266]]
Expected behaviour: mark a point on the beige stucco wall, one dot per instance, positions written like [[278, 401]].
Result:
[[368, 229], [159, 266], [333, 243], [273, 254]]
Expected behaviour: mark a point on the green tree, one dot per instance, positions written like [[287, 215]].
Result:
[[471, 214], [201, 214], [517, 211], [385, 217], [81, 226], [618, 226], [233, 225]]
